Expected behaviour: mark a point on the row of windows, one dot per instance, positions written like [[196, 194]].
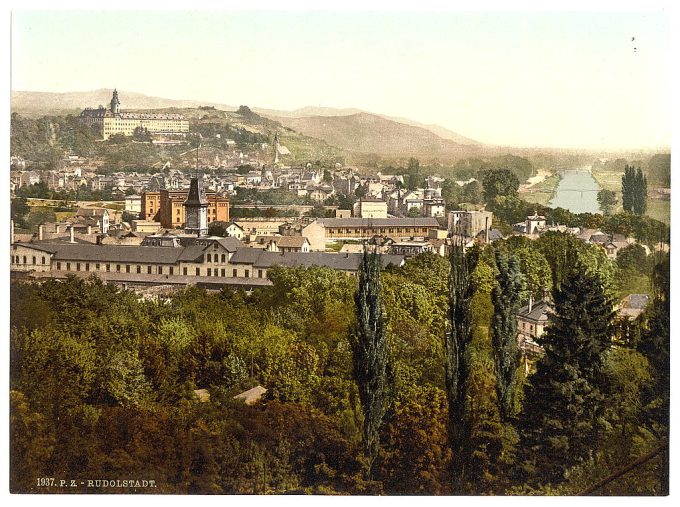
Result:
[[118, 268], [17, 259], [108, 267], [381, 230], [215, 257]]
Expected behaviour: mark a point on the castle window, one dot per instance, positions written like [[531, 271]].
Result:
[[139, 269], [172, 270], [234, 273], [198, 271], [184, 271], [58, 266], [108, 268], [160, 270], [34, 260], [127, 268], [148, 270], [224, 258], [43, 259], [223, 272], [68, 266], [209, 258], [25, 262], [87, 266], [247, 275], [77, 266]]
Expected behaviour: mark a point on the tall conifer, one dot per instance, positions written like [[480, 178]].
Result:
[[563, 404], [457, 341], [370, 354], [506, 296]]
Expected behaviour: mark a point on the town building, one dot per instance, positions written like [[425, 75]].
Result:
[[531, 322], [469, 223], [370, 208], [133, 204], [97, 216], [167, 207], [363, 228], [196, 209], [113, 121], [206, 262], [410, 248]]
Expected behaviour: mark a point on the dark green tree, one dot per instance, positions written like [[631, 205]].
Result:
[[457, 342], [506, 298], [564, 403], [628, 188], [655, 345], [640, 202], [607, 200], [634, 190], [370, 353], [499, 183]]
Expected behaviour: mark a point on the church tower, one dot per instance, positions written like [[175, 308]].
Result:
[[276, 148], [115, 103], [196, 209]]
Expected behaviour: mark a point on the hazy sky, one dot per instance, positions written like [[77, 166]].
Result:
[[523, 79]]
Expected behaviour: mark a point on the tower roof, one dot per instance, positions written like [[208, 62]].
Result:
[[196, 196]]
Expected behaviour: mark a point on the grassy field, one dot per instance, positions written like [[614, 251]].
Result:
[[542, 192], [659, 209]]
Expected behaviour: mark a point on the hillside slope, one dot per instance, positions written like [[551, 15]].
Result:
[[369, 133]]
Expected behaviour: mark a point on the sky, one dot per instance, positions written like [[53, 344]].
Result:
[[597, 80]]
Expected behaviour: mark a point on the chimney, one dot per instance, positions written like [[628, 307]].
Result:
[[531, 302], [72, 235], [89, 230], [40, 232]]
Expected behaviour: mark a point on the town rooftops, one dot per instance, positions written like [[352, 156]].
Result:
[[119, 253], [379, 222], [539, 311], [343, 262], [632, 305], [290, 241]]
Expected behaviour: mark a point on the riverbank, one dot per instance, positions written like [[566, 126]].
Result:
[[541, 191]]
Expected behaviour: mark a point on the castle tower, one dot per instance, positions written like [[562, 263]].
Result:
[[115, 103], [196, 209]]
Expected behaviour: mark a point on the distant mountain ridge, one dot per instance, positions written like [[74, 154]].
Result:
[[41, 103]]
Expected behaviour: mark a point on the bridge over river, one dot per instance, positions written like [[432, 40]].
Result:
[[577, 192]]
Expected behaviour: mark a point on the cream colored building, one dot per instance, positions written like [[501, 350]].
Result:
[[370, 208], [113, 121]]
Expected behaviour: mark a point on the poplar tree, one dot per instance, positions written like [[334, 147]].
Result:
[[634, 190], [457, 342], [370, 353], [640, 200], [628, 188], [506, 297], [563, 406]]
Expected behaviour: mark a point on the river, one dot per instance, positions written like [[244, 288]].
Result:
[[577, 192]]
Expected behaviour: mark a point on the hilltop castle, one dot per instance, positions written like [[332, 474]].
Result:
[[113, 121]]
